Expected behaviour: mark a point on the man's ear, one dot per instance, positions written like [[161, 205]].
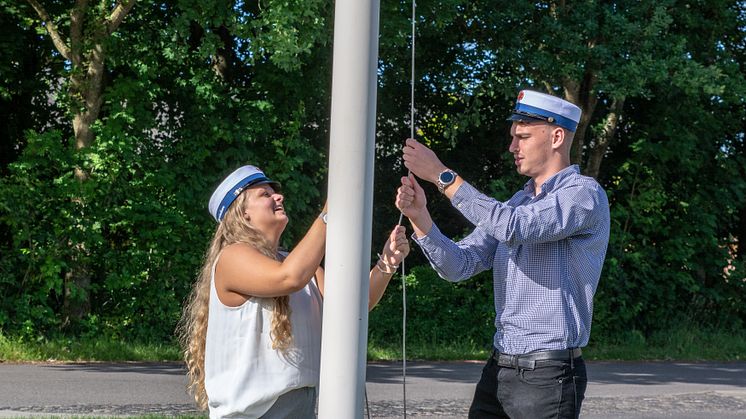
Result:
[[558, 137]]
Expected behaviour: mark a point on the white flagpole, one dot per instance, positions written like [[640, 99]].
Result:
[[350, 198]]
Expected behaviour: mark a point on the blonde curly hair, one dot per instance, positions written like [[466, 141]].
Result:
[[192, 329]]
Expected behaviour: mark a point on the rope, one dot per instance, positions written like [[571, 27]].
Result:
[[411, 91], [401, 216]]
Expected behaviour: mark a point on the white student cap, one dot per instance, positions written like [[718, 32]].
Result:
[[534, 106], [232, 186]]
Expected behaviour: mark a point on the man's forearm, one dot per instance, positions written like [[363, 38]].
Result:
[[422, 223]]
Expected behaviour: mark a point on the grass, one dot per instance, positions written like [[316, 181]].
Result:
[[90, 349], [682, 344], [452, 351]]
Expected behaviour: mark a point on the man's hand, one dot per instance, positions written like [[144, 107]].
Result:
[[422, 161], [410, 197], [411, 201]]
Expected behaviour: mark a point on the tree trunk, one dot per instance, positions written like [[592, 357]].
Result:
[[76, 303], [225, 57], [602, 142], [740, 236], [89, 89], [581, 94]]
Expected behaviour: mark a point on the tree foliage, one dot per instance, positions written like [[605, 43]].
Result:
[[189, 90]]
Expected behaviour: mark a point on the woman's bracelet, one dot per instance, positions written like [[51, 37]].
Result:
[[390, 269]]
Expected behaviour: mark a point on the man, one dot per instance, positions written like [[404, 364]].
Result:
[[546, 246]]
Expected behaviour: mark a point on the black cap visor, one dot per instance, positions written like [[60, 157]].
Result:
[[527, 117], [264, 181]]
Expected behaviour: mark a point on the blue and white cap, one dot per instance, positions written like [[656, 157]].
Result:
[[535, 106], [232, 186]]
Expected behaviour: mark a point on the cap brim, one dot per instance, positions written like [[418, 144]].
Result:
[[524, 118], [275, 185]]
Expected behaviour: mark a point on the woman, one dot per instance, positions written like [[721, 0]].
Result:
[[251, 330]]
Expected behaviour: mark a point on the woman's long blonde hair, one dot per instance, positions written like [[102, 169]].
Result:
[[192, 330]]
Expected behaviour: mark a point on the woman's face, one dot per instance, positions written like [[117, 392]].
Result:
[[264, 209]]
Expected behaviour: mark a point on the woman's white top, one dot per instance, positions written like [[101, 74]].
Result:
[[244, 376]]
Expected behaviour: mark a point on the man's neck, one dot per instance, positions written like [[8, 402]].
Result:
[[541, 179]]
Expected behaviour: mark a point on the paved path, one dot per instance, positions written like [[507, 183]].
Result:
[[434, 389]]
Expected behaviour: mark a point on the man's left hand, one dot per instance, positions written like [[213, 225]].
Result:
[[422, 161]]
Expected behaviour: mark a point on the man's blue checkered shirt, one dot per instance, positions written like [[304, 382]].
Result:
[[546, 252]]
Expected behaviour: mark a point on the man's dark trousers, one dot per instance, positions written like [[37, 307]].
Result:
[[552, 389]]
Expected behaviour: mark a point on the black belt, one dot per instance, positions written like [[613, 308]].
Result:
[[528, 361]]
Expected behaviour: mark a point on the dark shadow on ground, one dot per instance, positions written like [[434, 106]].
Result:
[[168, 368], [660, 372], [634, 373], [454, 372]]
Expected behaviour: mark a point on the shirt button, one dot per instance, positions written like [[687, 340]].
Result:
[[458, 206]]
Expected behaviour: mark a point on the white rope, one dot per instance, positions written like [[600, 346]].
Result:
[[401, 216], [411, 91]]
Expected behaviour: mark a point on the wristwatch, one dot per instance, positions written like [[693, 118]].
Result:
[[446, 178]]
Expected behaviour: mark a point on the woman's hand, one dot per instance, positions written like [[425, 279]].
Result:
[[396, 247], [394, 251]]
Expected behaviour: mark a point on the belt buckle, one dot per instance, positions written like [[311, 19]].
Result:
[[505, 360]]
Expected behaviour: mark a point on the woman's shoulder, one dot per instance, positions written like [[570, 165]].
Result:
[[239, 249]]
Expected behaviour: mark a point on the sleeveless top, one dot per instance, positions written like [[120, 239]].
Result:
[[244, 376]]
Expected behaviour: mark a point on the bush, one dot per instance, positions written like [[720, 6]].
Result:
[[438, 312]]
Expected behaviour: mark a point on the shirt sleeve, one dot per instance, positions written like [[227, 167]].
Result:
[[458, 261], [566, 211]]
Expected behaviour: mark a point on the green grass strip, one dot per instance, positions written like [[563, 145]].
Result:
[[682, 344]]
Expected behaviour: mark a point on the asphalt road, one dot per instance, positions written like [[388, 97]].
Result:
[[434, 389]]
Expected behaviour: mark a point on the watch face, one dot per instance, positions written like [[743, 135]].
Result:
[[447, 177]]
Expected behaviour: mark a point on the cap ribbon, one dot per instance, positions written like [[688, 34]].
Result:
[[232, 194]]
